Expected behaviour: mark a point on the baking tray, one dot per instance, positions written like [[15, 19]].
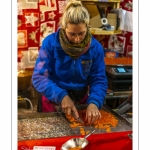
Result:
[[127, 115], [123, 124], [42, 125]]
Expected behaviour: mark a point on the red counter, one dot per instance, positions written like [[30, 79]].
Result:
[[107, 141]]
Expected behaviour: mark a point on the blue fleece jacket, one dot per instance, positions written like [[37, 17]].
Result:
[[55, 71]]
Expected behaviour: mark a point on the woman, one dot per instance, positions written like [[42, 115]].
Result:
[[69, 62]]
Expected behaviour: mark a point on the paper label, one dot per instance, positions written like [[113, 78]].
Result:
[[44, 148], [112, 28]]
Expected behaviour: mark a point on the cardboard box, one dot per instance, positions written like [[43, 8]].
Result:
[[95, 22], [112, 20], [92, 9]]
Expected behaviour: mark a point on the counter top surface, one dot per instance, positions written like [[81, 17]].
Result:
[[58, 125]]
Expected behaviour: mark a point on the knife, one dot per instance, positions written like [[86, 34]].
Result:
[[77, 118], [59, 110]]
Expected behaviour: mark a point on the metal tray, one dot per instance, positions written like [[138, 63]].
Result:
[[56, 126], [123, 124]]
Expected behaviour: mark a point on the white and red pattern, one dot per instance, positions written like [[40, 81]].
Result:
[[32, 36], [51, 15], [117, 43], [47, 5], [61, 6], [129, 51], [124, 33], [31, 32], [28, 5], [32, 54], [19, 23], [46, 29], [32, 19], [42, 16], [22, 38], [19, 9], [130, 39], [31, 1], [128, 5]]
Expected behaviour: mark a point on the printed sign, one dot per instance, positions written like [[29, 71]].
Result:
[[44, 148]]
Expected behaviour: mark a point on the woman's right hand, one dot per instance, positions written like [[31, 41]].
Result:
[[68, 106]]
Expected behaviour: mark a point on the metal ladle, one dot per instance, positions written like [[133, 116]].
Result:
[[76, 142]]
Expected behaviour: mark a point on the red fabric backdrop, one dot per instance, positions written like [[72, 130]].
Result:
[[38, 18]]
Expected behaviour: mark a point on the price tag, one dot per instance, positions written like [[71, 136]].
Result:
[[44, 148]]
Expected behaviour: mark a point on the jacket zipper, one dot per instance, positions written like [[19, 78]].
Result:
[[74, 72]]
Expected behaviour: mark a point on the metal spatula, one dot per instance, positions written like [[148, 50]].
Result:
[[126, 105]]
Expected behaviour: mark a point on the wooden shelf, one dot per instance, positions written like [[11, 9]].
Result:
[[92, 6], [97, 31]]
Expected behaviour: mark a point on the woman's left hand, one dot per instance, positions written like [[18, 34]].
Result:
[[92, 113]]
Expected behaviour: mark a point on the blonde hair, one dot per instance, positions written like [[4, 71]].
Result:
[[74, 12]]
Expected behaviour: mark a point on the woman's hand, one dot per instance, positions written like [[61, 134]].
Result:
[[92, 113], [68, 105]]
